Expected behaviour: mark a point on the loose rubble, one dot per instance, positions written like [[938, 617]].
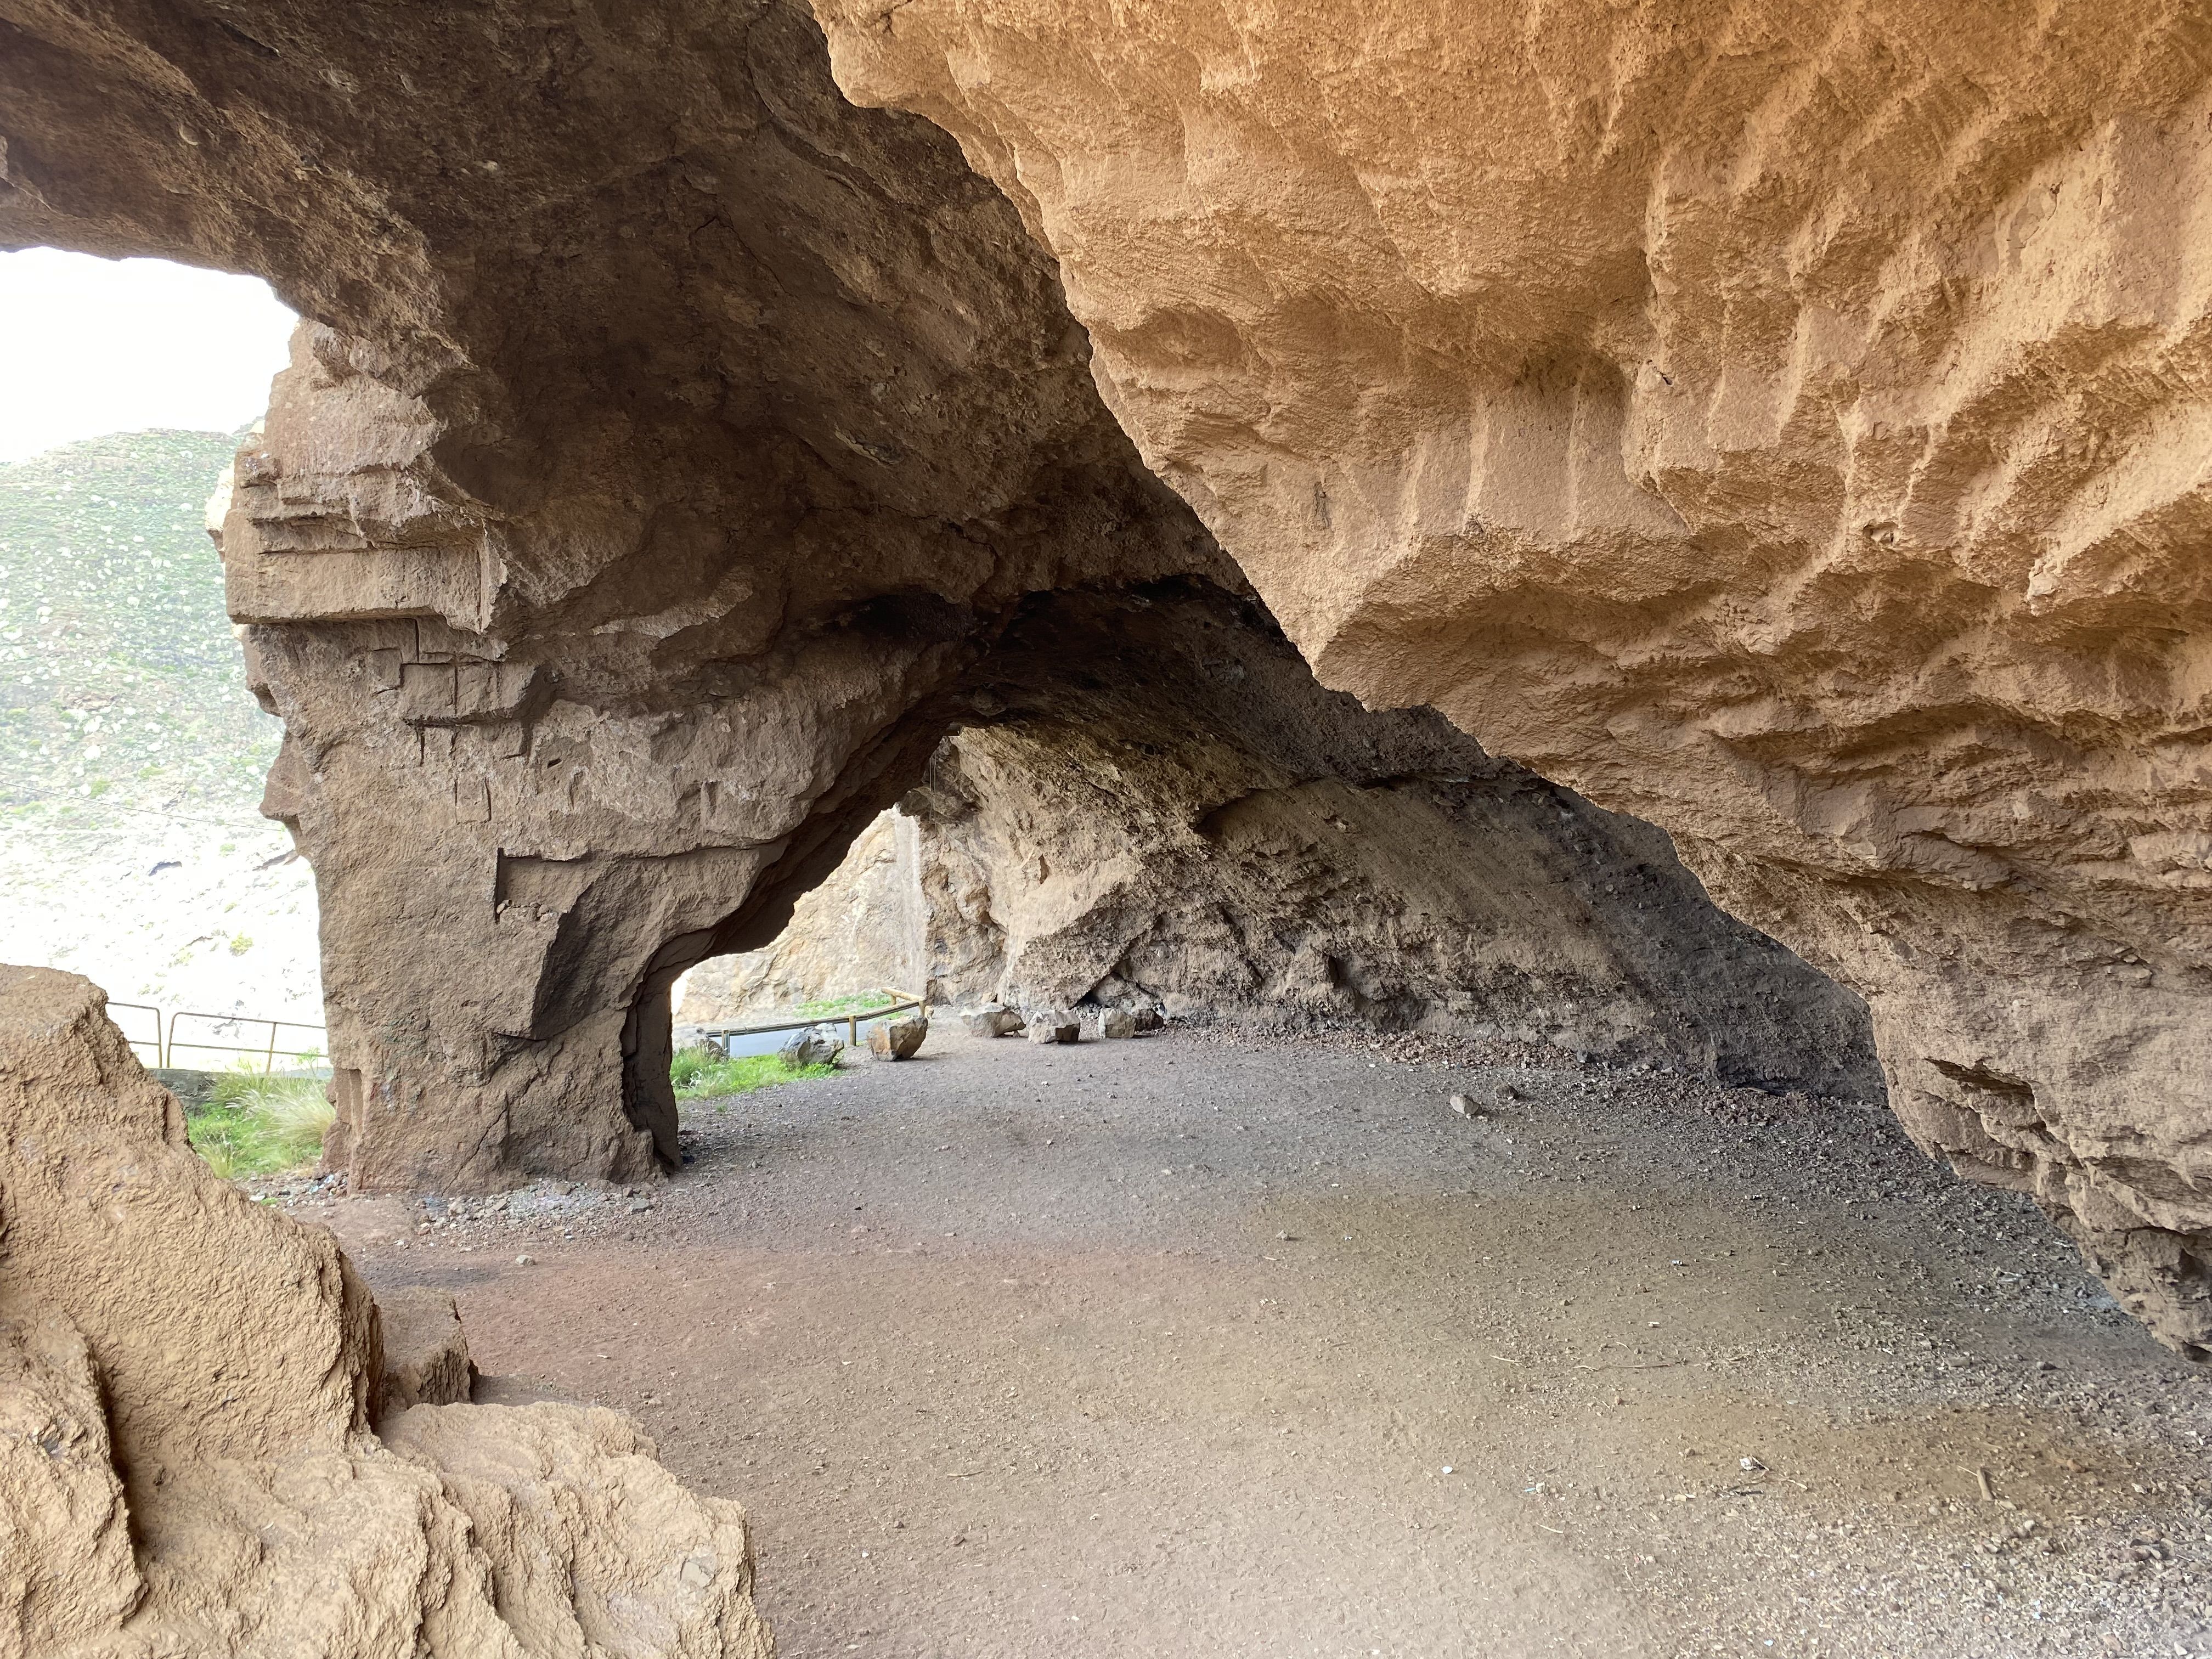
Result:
[[992, 1019], [819, 1045], [1044, 1026]]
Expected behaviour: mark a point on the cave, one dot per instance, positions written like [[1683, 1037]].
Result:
[[1666, 537], [1150, 802]]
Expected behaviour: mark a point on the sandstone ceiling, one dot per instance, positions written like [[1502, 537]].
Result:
[[1782, 422], [1786, 423]]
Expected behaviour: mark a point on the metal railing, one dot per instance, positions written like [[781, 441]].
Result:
[[149, 1049], [852, 1019], [163, 1046]]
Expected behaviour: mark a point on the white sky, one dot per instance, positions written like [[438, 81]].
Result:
[[91, 346]]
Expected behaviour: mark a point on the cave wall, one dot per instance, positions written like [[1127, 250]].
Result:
[[668, 437], [1786, 424], [1783, 425], [1163, 806]]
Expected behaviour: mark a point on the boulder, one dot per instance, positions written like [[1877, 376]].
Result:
[[819, 1045], [1116, 1023], [900, 1038], [575, 1512], [426, 1352], [992, 1019], [186, 1369], [1052, 1026]]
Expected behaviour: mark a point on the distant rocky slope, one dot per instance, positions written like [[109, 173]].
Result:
[[120, 680], [132, 755]]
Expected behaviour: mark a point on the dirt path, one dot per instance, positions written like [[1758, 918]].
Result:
[[1183, 1345]]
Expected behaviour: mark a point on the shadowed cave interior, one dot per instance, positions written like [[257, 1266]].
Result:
[[681, 463]]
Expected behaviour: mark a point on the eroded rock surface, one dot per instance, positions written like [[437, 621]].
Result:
[[1783, 425], [669, 438], [1167, 810], [1786, 425], [186, 1464]]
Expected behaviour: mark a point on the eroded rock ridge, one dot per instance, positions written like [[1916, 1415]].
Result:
[[187, 1460], [1785, 424]]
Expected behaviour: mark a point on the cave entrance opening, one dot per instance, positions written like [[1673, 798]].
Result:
[[132, 750], [1143, 801], [856, 944], [1147, 801]]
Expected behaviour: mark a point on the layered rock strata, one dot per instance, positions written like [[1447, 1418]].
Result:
[[1167, 809], [186, 1459], [670, 438], [1785, 424]]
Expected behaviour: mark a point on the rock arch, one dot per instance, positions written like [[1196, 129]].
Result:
[[1787, 429]]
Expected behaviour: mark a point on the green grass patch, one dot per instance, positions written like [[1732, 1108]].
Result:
[[698, 1075], [254, 1124], [857, 1002]]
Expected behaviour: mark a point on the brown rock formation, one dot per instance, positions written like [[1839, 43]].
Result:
[[1166, 808], [670, 435], [185, 1459], [1781, 426], [1784, 425]]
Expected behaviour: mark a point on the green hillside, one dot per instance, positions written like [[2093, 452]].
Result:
[[120, 684]]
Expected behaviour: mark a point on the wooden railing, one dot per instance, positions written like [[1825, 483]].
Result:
[[853, 1019]]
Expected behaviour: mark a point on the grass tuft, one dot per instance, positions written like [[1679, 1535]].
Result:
[[255, 1124], [698, 1075], [857, 1002]]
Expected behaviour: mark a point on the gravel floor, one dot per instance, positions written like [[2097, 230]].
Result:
[[1204, 1344]]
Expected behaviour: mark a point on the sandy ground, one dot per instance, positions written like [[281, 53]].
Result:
[[1189, 1344]]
